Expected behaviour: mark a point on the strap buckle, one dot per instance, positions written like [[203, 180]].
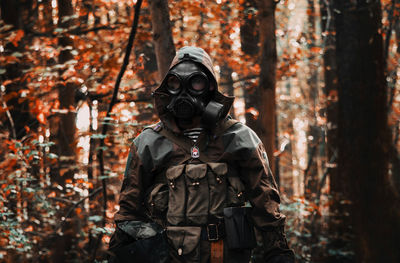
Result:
[[212, 232]]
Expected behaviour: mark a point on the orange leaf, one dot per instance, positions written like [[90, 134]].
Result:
[[316, 49], [253, 112], [41, 118], [16, 37], [29, 229]]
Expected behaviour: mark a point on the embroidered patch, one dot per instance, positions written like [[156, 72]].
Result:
[[195, 152]]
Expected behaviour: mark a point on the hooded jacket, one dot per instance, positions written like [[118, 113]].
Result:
[[151, 154]]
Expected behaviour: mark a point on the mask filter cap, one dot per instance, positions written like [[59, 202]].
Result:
[[212, 113]]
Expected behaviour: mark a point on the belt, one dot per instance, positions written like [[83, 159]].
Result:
[[213, 232]]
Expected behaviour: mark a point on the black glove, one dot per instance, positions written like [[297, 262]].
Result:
[[276, 247]]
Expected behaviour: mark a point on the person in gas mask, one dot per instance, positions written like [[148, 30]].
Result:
[[197, 185]]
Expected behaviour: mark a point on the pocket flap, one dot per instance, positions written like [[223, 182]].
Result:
[[219, 168], [196, 171], [174, 172], [185, 238]]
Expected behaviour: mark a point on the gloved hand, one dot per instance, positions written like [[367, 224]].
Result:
[[140, 242], [276, 247]]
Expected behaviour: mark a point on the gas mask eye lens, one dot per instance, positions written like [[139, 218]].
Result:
[[173, 84], [198, 83]]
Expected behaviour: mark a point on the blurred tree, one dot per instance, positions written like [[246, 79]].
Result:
[[266, 91], [340, 224], [249, 35], [63, 132], [311, 178], [226, 46], [17, 14], [363, 130], [162, 35]]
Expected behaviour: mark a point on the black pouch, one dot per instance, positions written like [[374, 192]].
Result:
[[148, 250], [238, 229]]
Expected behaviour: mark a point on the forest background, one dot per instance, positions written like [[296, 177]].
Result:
[[316, 79]]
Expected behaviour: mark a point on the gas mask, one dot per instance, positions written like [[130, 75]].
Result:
[[189, 87]]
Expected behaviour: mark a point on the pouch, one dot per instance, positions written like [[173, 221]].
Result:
[[217, 185], [185, 242], [197, 194], [177, 195], [235, 192], [157, 200], [238, 229]]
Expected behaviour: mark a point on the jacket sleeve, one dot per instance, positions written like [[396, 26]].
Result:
[[132, 191], [263, 194]]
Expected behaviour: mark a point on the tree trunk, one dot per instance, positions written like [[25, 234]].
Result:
[[226, 44], [249, 42], [266, 91], [311, 179], [162, 35], [340, 225], [363, 131], [249, 35], [47, 11], [63, 134], [13, 13]]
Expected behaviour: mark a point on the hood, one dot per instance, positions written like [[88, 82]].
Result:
[[162, 97]]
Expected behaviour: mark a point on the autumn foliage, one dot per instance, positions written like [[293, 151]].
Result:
[[59, 61]]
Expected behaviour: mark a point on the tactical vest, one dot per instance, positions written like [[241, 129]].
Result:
[[193, 194]]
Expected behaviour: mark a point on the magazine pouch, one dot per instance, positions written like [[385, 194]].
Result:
[[177, 194], [239, 231], [217, 185], [235, 190], [157, 200], [197, 194], [185, 243]]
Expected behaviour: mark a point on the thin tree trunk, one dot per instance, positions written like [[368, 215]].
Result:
[[363, 131], [249, 35], [162, 35], [266, 91], [47, 11], [226, 43], [311, 178], [64, 137], [249, 40]]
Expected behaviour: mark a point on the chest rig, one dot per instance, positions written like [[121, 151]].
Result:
[[194, 191], [189, 197]]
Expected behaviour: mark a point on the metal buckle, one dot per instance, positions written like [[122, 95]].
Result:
[[215, 228]]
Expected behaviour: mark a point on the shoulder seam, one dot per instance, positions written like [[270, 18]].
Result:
[[155, 127]]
